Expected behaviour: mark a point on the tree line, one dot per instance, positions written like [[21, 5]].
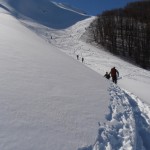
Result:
[[125, 32]]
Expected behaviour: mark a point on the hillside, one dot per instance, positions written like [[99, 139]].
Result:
[[44, 12], [125, 32], [49, 100]]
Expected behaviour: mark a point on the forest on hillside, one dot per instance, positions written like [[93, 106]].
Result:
[[125, 32]]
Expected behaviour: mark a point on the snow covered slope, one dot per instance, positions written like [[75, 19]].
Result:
[[49, 101], [72, 42], [128, 123], [44, 12]]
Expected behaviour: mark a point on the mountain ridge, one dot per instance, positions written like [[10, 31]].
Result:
[[44, 12]]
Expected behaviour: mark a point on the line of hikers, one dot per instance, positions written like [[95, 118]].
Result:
[[114, 73], [81, 59]]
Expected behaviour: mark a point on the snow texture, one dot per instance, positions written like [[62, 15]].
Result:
[[49, 100]]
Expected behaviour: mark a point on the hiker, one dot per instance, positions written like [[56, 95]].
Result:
[[77, 57], [82, 59], [107, 75], [114, 74]]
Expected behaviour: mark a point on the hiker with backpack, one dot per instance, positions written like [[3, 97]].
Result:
[[107, 75], [82, 59], [114, 74]]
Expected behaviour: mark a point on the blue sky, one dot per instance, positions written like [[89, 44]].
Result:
[[94, 7]]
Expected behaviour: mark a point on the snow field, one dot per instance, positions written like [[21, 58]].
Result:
[[72, 42], [121, 131], [47, 99], [51, 101]]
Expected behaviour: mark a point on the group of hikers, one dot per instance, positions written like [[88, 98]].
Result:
[[81, 59], [114, 73]]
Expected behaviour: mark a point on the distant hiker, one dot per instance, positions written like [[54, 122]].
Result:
[[107, 75], [77, 57], [114, 73], [82, 59]]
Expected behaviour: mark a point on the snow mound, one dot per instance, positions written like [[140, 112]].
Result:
[[44, 12]]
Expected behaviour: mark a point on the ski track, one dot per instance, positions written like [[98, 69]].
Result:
[[128, 121]]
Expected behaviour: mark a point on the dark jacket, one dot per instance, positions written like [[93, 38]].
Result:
[[114, 72], [107, 75]]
